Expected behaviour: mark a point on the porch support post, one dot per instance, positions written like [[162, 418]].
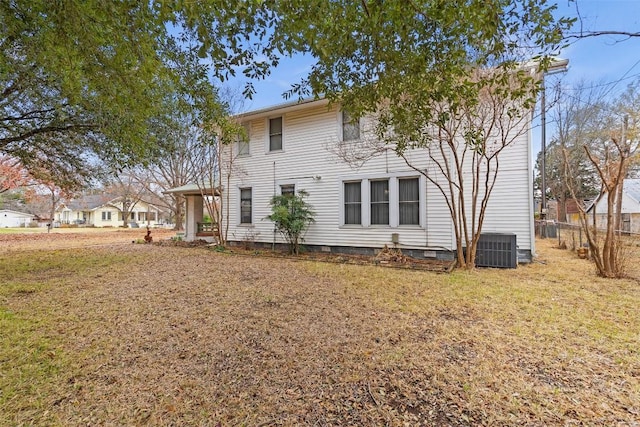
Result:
[[194, 216]]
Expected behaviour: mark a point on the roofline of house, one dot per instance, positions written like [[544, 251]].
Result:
[[282, 108], [557, 64], [192, 190], [17, 212]]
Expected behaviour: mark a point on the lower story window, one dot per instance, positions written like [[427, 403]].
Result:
[[245, 205], [392, 202], [288, 190], [380, 202], [106, 216], [409, 201], [352, 203]]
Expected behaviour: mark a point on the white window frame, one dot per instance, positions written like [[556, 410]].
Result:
[[388, 202], [240, 222], [282, 186], [394, 200], [268, 131], [244, 144], [363, 187], [419, 201], [341, 121]]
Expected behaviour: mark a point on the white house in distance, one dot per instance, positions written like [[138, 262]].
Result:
[[630, 208], [382, 202], [104, 210], [11, 219]]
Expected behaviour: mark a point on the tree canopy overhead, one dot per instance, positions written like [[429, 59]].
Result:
[[87, 81], [412, 53]]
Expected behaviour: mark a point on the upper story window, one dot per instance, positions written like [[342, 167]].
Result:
[[352, 203], [243, 141], [275, 134], [245, 205], [350, 127]]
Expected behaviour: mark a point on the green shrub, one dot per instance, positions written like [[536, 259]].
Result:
[[292, 216]]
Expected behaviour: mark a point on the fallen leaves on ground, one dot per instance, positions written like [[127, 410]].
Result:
[[166, 335]]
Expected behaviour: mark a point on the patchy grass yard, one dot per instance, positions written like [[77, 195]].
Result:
[[127, 334]]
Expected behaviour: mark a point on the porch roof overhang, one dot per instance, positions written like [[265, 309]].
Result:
[[194, 190]]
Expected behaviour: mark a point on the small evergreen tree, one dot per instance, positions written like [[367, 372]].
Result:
[[292, 215]]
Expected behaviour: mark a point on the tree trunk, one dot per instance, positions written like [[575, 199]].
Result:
[[562, 209]]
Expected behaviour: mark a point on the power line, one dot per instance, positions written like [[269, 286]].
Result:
[[621, 78], [605, 84]]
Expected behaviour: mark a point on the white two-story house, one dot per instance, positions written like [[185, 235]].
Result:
[[359, 208]]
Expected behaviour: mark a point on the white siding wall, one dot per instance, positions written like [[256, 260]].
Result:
[[510, 205], [307, 136]]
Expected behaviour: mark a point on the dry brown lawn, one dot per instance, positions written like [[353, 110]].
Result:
[[115, 333]]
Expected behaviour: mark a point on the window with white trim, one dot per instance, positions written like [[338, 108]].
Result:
[[275, 134], [242, 142], [288, 190], [350, 127], [106, 215], [353, 202], [379, 202], [395, 201], [409, 201], [245, 205]]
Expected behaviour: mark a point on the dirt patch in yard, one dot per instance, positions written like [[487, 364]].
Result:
[[165, 335], [75, 238]]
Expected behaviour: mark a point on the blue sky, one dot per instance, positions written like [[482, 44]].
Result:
[[611, 61], [604, 59]]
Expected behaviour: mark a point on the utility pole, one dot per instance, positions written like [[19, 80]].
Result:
[[622, 173], [543, 166], [557, 66]]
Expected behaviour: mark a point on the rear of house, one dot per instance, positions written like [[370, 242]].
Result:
[[363, 207]]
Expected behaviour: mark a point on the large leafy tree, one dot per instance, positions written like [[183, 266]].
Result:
[[87, 82], [78, 83]]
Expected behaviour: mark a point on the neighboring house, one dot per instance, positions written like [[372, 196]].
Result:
[[597, 212], [291, 147], [106, 211], [10, 219]]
